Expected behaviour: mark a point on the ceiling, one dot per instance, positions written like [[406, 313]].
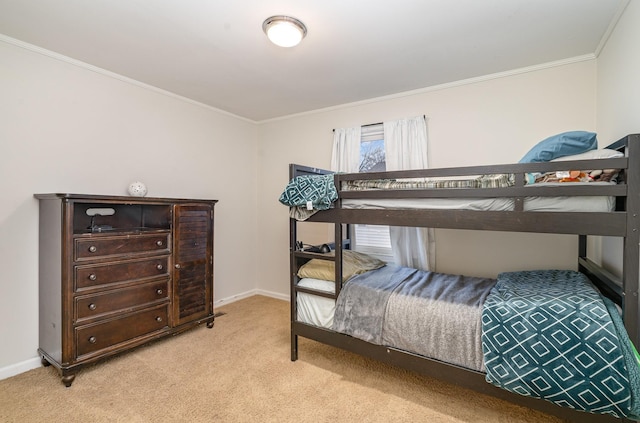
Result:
[[214, 51]]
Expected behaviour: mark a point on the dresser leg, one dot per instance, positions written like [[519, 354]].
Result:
[[44, 362], [210, 324], [68, 379]]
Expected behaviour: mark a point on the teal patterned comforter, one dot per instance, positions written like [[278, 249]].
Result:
[[549, 334]]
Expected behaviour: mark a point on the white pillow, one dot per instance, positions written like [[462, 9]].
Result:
[[604, 153]]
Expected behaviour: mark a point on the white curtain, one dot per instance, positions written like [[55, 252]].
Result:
[[346, 150], [405, 149]]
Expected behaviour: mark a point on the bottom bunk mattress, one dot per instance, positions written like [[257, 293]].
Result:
[[546, 334], [313, 309], [432, 314]]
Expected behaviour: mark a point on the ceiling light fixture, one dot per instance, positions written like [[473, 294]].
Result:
[[284, 31]]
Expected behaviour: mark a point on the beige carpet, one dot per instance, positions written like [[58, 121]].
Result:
[[240, 371]]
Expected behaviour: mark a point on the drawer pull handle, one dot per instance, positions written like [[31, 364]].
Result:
[[92, 306], [159, 243], [158, 319], [93, 277], [178, 266], [92, 339], [93, 249], [159, 291], [159, 267]]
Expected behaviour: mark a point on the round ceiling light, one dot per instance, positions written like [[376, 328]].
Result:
[[284, 31]]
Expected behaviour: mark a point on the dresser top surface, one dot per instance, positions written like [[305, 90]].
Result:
[[118, 198]]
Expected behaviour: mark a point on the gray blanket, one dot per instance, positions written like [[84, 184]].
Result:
[[431, 314]]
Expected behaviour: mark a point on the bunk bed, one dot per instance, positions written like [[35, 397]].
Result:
[[500, 199]]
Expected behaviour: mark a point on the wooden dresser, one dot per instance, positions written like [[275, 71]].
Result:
[[117, 272]]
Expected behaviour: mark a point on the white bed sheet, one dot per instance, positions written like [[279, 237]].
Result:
[[547, 204], [313, 309]]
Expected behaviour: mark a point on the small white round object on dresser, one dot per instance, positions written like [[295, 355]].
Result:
[[137, 189]]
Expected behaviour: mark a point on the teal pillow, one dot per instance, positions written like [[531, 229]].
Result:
[[565, 144]]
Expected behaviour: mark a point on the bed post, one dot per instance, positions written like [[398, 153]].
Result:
[[292, 290], [338, 257], [293, 237], [631, 264], [582, 246], [338, 235]]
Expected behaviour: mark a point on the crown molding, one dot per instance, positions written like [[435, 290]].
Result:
[[475, 80], [612, 26], [104, 72], [439, 87]]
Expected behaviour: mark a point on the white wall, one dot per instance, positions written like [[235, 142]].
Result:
[[618, 93], [480, 122], [64, 128]]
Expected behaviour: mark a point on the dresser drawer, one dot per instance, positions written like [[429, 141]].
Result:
[[118, 246], [95, 337], [90, 306], [89, 276]]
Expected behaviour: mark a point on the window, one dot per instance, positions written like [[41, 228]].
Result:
[[372, 239], [372, 157]]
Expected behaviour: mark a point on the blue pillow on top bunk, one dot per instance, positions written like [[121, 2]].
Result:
[[560, 145]]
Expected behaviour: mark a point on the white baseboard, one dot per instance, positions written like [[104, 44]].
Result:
[[234, 298], [275, 295], [35, 362], [16, 369], [248, 294]]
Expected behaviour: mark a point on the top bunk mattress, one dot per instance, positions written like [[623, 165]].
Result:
[[531, 203], [572, 203]]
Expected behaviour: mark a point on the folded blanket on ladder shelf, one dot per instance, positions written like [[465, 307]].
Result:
[[549, 334]]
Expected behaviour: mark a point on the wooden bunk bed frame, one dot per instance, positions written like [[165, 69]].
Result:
[[624, 222]]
